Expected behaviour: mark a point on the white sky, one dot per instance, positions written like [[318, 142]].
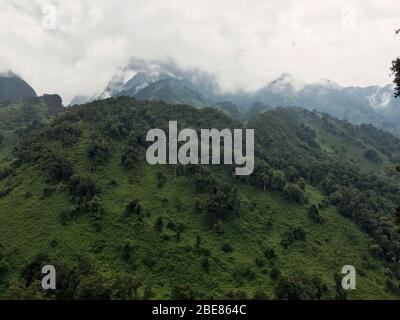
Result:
[[246, 43]]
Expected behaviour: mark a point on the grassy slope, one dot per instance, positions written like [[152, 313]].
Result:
[[28, 225]]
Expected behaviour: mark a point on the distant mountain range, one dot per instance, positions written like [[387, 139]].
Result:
[[13, 87], [166, 81]]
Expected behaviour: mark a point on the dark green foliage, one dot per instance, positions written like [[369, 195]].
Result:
[[205, 264], [82, 189], [203, 179], [313, 213], [221, 204], [92, 287], [275, 273], [294, 193], [98, 151], [159, 224], [126, 250], [4, 265], [33, 270], [293, 234], [161, 179], [270, 254], [58, 169], [396, 72], [227, 248], [372, 155], [278, 181], [133, 209], [300, 287], [182, 292]]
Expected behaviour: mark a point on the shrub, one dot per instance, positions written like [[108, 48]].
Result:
[[270, 254], [126, 250], [313, 213], [293, 234], [294, 193], [59, 169], [226, 247], [182, 292], [133, 209], [161, 179], [159, 224], [205, 264], [98, 152]]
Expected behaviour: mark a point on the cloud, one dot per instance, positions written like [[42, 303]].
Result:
[[245, 42]]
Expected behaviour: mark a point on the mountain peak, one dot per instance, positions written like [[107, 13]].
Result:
[[328, 83], [13, 87], [286, 81]]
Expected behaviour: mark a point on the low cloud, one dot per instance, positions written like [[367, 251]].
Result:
[[245, 43]]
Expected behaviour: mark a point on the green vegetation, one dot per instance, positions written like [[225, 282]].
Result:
[[77, 193]]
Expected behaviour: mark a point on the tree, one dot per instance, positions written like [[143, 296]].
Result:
[[159, 224], [396, 72], [126, 250], [205, 264], [278, 180], [294, 193], [313, 213]]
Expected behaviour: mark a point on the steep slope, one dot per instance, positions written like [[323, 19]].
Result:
[[13, 87], [81, 196], [139, 74], [374, 105], [172, 91], [19, 115]]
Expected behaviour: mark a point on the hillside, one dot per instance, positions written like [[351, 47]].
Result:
[[19, 115], [81, 196]]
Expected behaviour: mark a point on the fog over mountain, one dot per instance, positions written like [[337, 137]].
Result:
[[165, 80]]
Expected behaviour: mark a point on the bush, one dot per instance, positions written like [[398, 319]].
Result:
[[182, 292], [98, 152], [159, 224], [59, 169], [126, 250], [372, 155], [300, 288], [205, 264], [133, 209], [270, 254], [227, 248], [93, 287], [294, 193], [161, 179], [313, 213], [293, 234]]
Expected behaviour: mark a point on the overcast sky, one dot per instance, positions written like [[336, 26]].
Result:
[[246, 43]]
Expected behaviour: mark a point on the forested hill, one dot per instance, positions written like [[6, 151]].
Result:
[[79, 194]]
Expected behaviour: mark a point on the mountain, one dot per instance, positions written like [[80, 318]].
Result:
[[156, 79], [173, 91], [374, 105], [80, 195], [13, 87], [139, 74], [80, 99]]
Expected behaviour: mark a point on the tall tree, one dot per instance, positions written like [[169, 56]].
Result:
[[396, 72]]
